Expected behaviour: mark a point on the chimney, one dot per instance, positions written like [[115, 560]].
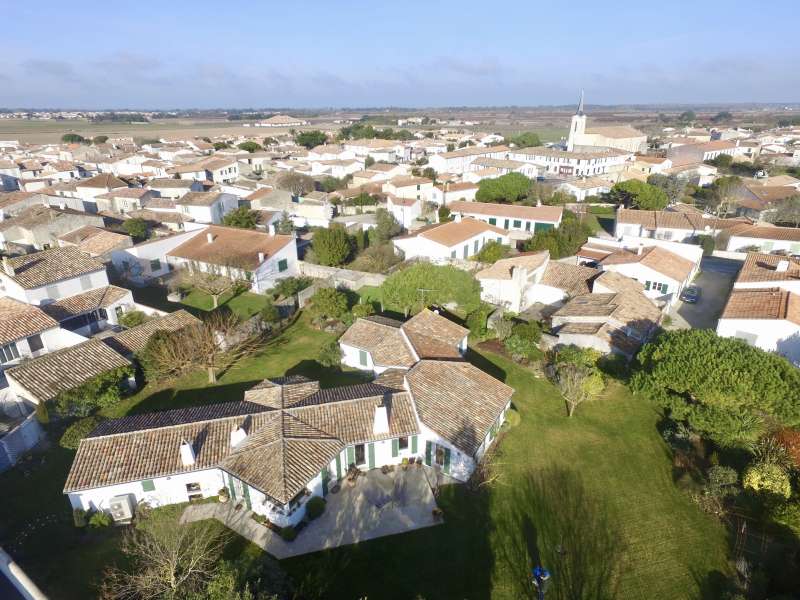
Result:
[[210, 238], [272, 229], [639, 250], [783, 266], [187, 454], [261, 257], [2, 215], [8, 268], [62, 205], [238, 435], [380, 424]]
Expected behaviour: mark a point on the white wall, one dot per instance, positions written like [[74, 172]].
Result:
[[142, 255], [772, 335], [422, 247], [56, 291], [765, 246]]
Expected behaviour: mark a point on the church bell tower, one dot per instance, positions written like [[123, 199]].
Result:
[[577, 126]]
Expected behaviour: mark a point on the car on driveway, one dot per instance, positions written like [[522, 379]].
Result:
[[691, 294]]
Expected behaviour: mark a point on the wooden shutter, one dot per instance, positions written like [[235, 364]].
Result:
[[370, 456], [428, 451], [395, 448], [413, 444], [447, 460], [351, 456]]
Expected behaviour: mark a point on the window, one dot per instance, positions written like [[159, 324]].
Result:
[[362, 358], [402, 443], [155, 265], [35, 343], [192, 488], [476, 245], [361, 454], [9, 352], [527, 225], [439, 456], [466, 250], [506, 225], [283, 264], [646, 285], [453, 254], [492, 221], [517, 224], [148, 485]]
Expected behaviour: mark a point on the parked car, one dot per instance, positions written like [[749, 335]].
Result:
[[691, 294]]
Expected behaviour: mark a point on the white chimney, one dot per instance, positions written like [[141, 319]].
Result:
[[261, 257], [62, 205], [8, 268], [380, 424], [210, 238], [639, 250], [2, 215], [272, 229], [238, 435], [783, 266], [187, 454]]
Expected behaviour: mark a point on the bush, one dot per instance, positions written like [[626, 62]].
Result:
[[327, 303], [288, 533], [531, 331], [771, 479], [787, 514], [491, 252], [42, 413], [315, 507], [290, 286], [476, 321], [330, 355], [100, 519], [362, 310], [707, 243], [77, 431], [132, 318], [79, 517], [503, 327]]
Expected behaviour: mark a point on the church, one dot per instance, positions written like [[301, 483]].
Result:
[[618, 137]]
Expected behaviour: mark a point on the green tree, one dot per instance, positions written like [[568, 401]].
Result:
[[330, 355], [331, 184], [249, 147], [295, 183], [221, 145], [368, 162], [526, 139], [99, 139], [672, 185], [722, 117], [561, 242], [331, 246], [637, 194], [136, 228], [269, 313], [788, 212], [72, 138], [423, 284], [98, 392], [429, 173], [721, 161], [309, 139], [386, 227], [492, 252], [284, 225], [507, 188], [725, 388], [132, 318], [687, 117], [444, 214], [242, 217], [327, 303]]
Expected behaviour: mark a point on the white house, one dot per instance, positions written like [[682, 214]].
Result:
[[247, 255], [453, 240], [582, 187], [769, 271], [521, 222], [444, 193], [206, 207], [418, 188], [404, 210], [767, 318], [765, 239], [671, 225], [174, 188], [459, 161], [553, 162]]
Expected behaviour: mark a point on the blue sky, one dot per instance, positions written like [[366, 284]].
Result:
[[344, 53]]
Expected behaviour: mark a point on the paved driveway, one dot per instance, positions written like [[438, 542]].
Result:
[[715, 282]]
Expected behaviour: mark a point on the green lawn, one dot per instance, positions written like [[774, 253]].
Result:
[[671, 546], [244, 305]]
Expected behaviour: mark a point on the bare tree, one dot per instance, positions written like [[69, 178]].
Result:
[[789, 211], [295, 183], [577, 384], [167, 559], [215, 281]]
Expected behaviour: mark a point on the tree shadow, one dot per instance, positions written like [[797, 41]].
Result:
[[485, 365], [169, 398], [328, 376]]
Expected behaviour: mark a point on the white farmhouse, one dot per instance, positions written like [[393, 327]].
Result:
[[521, 222], [206, 207], [453, 240]]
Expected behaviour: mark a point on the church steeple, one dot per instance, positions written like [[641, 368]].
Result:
[[580, 105], [577, 127]]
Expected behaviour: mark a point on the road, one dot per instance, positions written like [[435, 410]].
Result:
[[715, 282]]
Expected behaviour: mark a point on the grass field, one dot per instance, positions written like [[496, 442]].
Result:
[[672, 547], [245, 304]]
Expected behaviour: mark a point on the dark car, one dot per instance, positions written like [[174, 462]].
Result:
[[691, 294]]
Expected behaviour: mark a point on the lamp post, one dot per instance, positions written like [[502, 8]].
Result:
[[541, 579]]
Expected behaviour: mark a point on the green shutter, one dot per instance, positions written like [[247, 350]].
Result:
[[231, 488], [370, 456], [492, 221], [447, 460], [428, 451], [148, 485], [664, 287], [646, 285], [351, 456], [413, 444], [247, 495], [362, 358], [283, 264], [339, 466], [506, 224], [395, 448], [325, 478]]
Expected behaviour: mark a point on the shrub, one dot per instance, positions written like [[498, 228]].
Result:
[[79, 517], [531, 331], [78, 430], [771, 479], [288, 533], [513, 417], [707, 243], [315, 507], [132, 318], [42, 413], [100, 519], [476, 321], [330, 355], [503, 327], [363, 310], [520, 347], [787, 514], [327, 303], [491, 252], [290, 286]]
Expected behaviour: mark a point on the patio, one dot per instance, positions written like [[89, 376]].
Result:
[[376, 505]]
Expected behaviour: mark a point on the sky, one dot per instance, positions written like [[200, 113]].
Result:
[[342, 53]]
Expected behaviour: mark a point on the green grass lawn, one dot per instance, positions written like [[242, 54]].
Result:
[[245, 305], [613, 443]]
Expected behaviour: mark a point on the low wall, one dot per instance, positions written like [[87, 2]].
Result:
[[346, 278], [19, 440], [14, 573], [733, 255]]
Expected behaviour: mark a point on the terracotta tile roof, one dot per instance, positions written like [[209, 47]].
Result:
[[47, 376], [404, 181], [548, 214], [451, 234], [133, 340], [165, 182], [617, 282], [768, 194], [38, 214], [768, 232], [655, 257], [573, 279], [457, 400], [19, 320], [685, 220], [615, 131], [103, 297], [503, 268], [231, 246], [624, 307], [103, 180], [383, 341], [766, 304], [96, 241], [124, 193], [392, 378], [764, 267], [434, 336], [198, 198], [50, 266]]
